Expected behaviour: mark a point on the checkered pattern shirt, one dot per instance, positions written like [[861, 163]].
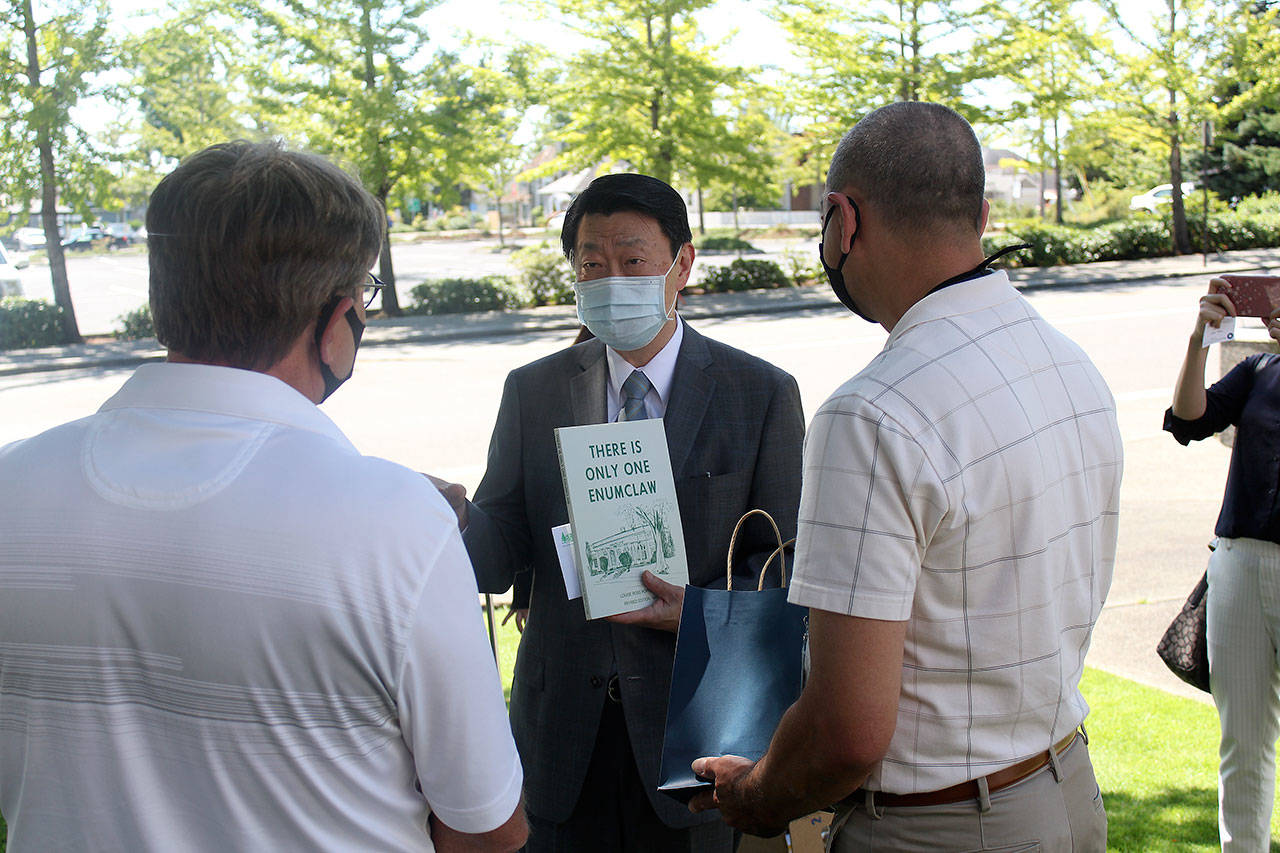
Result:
[[967, 481]]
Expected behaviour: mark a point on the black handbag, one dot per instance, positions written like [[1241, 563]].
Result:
[[1184, 648]]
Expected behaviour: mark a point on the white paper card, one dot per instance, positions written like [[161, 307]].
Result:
[[563, 537], [1225, 332]]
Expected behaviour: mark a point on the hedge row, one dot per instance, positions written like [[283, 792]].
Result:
[[1052, 245], [29, 323], [546, 279]]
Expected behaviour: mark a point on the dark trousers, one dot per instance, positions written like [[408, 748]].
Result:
[[613, 814]]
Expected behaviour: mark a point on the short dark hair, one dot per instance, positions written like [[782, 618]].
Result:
[[918, 164], [247, 242], [632, 193]]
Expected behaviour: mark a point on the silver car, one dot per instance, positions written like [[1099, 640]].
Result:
[[10, 282]]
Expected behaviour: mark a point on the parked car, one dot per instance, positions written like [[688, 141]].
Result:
[[85, 237], [120, 233], [10, 282], [1152, 200], [29, 239]]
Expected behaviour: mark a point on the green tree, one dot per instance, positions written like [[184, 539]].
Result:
[[49, 66], [863, 56], [187, 83], [648, 92], [505, 88], [351, 78], [1158, 90], [1244, 158], [1045, 51]]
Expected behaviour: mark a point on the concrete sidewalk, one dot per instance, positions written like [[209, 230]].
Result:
[[496, 324]]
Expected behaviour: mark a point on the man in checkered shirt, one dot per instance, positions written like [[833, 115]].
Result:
[[957, 533]]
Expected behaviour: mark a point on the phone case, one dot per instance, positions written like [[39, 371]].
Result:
[[1253, 295]]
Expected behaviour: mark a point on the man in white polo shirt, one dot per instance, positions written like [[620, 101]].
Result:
[[221, 627], [957, 533]]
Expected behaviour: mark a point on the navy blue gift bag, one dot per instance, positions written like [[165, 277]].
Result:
[[737, 669]]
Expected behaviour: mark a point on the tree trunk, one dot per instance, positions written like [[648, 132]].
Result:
[[702, 220], [502, 243], [1181, 236], [386, 272], [49, 188], [1057, 172], [380, 180]]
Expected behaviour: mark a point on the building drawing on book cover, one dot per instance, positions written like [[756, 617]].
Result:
[[623, 512]]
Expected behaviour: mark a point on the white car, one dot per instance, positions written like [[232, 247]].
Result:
[[10, 282], [1154, 198], [29, 239]]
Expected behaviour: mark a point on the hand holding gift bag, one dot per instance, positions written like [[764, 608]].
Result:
[[737, 669]]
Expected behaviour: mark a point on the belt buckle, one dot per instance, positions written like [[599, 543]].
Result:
[[614, 689]]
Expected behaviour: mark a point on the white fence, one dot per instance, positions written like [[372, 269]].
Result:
[[755, 218]]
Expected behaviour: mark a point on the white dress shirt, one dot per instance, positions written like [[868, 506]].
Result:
[[659, 370]]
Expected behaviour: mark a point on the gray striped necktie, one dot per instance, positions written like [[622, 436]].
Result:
[[633, 391]]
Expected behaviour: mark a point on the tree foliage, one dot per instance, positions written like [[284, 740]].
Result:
[[187, 83], [1157, 91], [651, 93], [50, 62], [862, 56], [351, 78], [1045, 51]]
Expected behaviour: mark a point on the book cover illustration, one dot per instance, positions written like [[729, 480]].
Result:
[[623, 512]]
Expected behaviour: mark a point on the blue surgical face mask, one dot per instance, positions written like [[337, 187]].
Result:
[[625, 312]]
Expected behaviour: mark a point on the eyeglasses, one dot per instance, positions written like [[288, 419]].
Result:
[[371, 288]]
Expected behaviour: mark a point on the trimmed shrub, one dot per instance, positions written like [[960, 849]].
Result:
[[545, 276], [1143, 237], [29, 323], [723, 244], [137, 325], [458, 295], [744, 274], [803, 267]]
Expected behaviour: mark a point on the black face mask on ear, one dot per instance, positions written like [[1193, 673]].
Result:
[[836, 279], [834, 275], [331, 380]]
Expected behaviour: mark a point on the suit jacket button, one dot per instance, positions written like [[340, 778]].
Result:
[[596, 681]]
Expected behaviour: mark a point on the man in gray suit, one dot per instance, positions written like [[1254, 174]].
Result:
[[588, 702]]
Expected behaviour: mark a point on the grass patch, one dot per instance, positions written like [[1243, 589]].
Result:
[[1156, 757]]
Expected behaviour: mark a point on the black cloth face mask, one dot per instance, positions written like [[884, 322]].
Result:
[[834, 275], [836, 279], [331, 380]]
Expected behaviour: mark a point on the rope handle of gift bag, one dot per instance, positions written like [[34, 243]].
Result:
[[779, 552]]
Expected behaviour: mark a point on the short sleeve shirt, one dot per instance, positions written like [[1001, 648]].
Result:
[[223, 628], [967, 482]]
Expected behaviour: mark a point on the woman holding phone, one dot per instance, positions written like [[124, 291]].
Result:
[[1244, 570]]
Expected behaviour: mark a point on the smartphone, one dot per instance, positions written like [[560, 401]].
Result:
[[1253, 295]]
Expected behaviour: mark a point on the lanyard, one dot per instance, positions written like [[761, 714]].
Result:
[[980, 270]]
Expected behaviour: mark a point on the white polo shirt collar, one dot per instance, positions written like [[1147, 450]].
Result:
[[226, 391], [963, 297]]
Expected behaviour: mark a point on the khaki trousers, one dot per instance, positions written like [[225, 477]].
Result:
[[1054, 809]]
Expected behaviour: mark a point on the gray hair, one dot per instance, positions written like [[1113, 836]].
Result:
[[918, 164], [247, 243]]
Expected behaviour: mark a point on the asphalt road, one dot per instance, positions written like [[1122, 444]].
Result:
[[432, 406], [107, 285]]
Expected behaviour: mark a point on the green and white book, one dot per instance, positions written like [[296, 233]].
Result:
[[623, 512]]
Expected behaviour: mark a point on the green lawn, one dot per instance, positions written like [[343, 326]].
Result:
[[1155, 756]]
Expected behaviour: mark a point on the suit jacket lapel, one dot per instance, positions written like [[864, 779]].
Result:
[[587, 387], [691, 390]]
